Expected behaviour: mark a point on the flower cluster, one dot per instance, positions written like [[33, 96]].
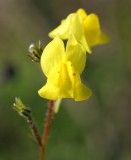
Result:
[[63, 63]]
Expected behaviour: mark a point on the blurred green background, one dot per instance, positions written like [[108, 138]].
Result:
[[96, 129]]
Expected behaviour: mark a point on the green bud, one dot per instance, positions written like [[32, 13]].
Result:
[[21, 108], [35, 51]]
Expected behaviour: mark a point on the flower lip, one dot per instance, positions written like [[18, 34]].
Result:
[[62, 68]]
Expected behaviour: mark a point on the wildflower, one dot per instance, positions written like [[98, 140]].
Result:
[[85, 28], [63, 68]]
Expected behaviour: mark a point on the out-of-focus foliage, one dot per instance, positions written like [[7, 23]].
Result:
[[98, 128]]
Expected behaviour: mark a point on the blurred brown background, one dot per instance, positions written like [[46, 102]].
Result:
[[96, 129]]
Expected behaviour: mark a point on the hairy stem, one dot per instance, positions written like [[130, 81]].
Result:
[[34, 130], [46, 129]]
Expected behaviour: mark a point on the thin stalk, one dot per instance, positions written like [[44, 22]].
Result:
[[34, 130], [46, 129]]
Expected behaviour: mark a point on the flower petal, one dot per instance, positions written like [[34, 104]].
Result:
[[65, 84], [76, 54], [59, 85], [63, 29], [93, 34], [81, 92], [77, 29], [49, 91], [82, 13], [52, 56]]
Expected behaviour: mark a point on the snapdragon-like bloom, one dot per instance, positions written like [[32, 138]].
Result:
[[63, 68], [85, 28]]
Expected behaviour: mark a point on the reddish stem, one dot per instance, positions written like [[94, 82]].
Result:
[[46, 130], [35, 131]]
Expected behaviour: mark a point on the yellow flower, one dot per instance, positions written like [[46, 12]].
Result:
[[85, 28], [62, 68]]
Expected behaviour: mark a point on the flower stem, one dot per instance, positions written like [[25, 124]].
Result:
[[46, 130], [34, 130]]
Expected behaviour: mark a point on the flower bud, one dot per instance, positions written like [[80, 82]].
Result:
[[35, 51], [21, 108]]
